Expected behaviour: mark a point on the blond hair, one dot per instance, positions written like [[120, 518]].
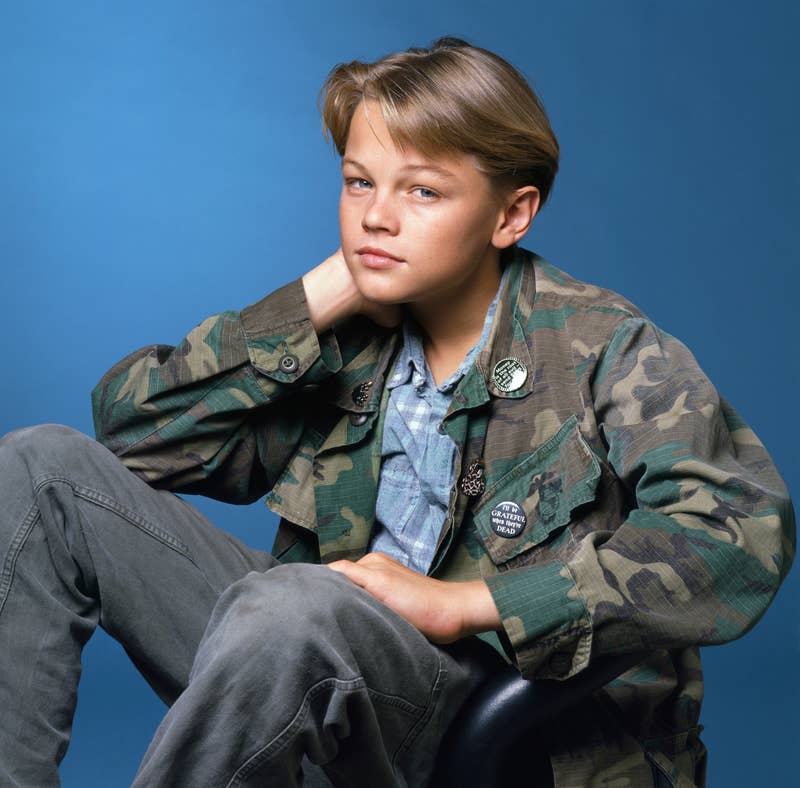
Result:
[[452, 97]]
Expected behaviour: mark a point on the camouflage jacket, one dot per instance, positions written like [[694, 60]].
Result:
[[647, 516]]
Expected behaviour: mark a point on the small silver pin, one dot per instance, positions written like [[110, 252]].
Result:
[[509, 374]]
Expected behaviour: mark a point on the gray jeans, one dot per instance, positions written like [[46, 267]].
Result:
[[266, 667]]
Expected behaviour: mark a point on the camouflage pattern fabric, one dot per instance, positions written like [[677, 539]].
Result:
[[623, 505]]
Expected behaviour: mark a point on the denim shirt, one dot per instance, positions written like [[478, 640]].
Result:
[[417, 460]]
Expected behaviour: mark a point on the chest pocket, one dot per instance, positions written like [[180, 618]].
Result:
[[536, 498]]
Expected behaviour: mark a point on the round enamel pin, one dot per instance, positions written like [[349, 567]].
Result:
[[508, 519], [509, 374]]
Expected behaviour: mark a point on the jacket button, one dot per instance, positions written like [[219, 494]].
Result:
[[289, 363], [357, 419]]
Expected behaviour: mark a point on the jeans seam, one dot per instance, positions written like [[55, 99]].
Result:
[[436, 689], [133, 518], [109, 504], [17, 543], [279, 742], [395, 700]]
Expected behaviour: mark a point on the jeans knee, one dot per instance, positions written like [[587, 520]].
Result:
[[293, 599], [38, 468], [46, 442], [302, 624], [293, 617]]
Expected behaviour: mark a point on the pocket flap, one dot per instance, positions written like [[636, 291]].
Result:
[[538, 496]]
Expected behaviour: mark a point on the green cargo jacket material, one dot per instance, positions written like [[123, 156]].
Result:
[[656, 520]]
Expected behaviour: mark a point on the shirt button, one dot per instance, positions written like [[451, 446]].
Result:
[[289, 363], [441, 428], [357, 419]]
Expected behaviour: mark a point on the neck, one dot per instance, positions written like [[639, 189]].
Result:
[[451, 329]]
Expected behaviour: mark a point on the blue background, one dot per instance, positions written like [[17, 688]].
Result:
[[160, 162]]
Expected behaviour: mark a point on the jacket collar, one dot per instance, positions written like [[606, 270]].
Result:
[[357, 387], [366, 366], [507, 339]]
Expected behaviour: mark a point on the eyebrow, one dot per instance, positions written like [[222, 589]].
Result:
[[408, 168]]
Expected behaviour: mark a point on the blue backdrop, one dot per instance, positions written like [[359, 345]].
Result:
[[163, 161]]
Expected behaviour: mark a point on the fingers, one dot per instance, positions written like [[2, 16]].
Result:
[[357, 574], [378, 559]]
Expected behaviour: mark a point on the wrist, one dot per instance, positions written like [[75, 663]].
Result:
[[479, 612], [331, 293]]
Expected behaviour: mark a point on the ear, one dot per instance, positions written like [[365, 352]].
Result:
[[519, 208]]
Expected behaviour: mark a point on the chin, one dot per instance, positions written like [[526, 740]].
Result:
[[380, 292], [383, 296]]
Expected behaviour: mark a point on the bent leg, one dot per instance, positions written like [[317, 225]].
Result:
[[298, 661], [83, 541]]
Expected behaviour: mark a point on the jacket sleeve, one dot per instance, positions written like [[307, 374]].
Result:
[[705, 544], [212, 414]]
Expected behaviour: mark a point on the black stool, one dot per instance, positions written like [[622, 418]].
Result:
[[487, 746]]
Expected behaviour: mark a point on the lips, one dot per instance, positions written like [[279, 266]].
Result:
[[374, 257]]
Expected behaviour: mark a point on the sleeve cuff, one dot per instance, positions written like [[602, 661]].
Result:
[[281, 341], [544, 619]]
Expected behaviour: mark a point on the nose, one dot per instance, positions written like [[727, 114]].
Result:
[[380, 214]]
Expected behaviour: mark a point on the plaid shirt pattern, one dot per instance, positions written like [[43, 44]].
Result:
[[417, 460]]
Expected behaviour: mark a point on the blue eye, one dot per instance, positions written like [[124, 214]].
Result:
[[425, 193], [357, 183]]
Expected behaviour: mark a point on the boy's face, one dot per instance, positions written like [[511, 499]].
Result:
[[416, 230]]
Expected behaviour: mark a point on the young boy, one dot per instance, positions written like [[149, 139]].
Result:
[[460, 440]]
